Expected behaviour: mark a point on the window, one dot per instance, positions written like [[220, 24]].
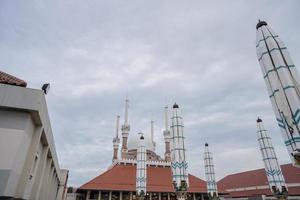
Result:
[[34, 166]]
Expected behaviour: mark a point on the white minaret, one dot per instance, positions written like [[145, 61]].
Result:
[[212, 190], [167, 136], [178, 157], [116, 140], [141, 168], [282, 81], [152, 136], [272, 168], [125, 130]]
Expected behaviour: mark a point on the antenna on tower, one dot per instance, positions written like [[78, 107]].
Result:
[[166, 118], [126, 110], [117, 126], [152, 130]]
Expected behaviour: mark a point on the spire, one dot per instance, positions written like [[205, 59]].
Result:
[[178, 161], [152, 130], [141, 168], [166, 118], [212, 190], [167, 136], [125, 130], [152, 135], [273, 171], [126, 110], [116, 140], [283, 84], [117, 126]]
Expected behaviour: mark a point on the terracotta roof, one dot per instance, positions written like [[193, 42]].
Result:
[[122, 178], [258, 178], [294, 191], [11, 80]]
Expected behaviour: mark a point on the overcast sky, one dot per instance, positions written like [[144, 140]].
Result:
[[200, 54]]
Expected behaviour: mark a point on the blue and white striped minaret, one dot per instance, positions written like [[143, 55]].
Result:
[[141, 168], [212, 190], [178, 156], [282, 80], [272, 168]]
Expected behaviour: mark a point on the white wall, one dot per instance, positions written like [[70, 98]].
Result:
[[29, 166]]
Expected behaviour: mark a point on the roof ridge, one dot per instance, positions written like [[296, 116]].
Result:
[[262, 168]]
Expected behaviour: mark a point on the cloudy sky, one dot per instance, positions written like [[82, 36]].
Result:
[[200, 54]]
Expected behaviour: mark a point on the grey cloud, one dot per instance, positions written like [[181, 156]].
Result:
[[197, 53]]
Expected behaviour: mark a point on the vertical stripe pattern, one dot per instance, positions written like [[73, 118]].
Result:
[[210, 173], [178, 156], [272, 168], [141, 168]]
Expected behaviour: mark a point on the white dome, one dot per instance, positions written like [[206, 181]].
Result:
[[133, 142]]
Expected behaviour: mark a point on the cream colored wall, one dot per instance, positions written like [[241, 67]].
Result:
[[28, 162]]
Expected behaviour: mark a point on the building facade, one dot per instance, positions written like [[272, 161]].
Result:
[[29, 166], [119, 181], [254, 184]]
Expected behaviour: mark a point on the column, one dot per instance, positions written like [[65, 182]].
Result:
[[110, 194], [202, 198], [121, 195], [40, 175], [168, 196], [49, 183], [99, 195], [159, 196], [88, 195], [36, 137], [150, 196], [47, 176], [194, 196], [130, 195]]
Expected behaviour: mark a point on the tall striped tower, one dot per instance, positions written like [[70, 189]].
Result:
[[125, 131], [282, 81], [272, 168], [212, 190], [167, 136], [178, 157], [141, 169], [116, 140]]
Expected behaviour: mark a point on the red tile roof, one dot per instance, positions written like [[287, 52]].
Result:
[[122, 178], [258, 178], [11, 80]]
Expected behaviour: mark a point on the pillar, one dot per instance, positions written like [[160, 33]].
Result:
[[110, 194], [47, 176], [36, 137], [99, 195], [121, 195], [40, 174], [194, 196], [88, 195], [49, 182], [130, 195], [159, 196], [168, 196]]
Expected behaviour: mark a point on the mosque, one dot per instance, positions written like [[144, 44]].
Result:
[[164, 174], [118, 181], [34, 172]]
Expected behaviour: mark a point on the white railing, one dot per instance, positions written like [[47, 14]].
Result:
[[133, 162]]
